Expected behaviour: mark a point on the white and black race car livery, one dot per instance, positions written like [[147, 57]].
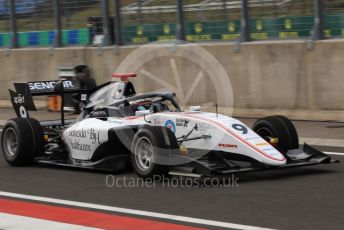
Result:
[[118, 127]]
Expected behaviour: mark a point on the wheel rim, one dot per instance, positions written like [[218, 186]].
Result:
[[144, 154], [10, 142]]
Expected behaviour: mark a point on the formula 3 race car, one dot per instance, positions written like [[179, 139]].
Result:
[[118, 128]]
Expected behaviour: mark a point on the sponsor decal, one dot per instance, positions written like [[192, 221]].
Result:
[[182, 122], [90, 135], [262, 144], [22, 100], [169, 124], [77, 133], [99, 113], [19, 99], [48, 85], [75, 144], [231, 146]]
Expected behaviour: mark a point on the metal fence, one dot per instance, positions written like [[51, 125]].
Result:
[[107, 22]]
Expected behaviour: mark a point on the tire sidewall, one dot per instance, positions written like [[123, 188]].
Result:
[[292, 132], [155, 136], [147, 134], [12, 124], [280, 127], [29, 136]]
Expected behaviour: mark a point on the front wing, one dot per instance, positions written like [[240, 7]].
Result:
[[212, 165], [219, 164]]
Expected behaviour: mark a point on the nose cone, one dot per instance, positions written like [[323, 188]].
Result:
[[275, 159]]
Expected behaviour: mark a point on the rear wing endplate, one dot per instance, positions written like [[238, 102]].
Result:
[[22, 100]]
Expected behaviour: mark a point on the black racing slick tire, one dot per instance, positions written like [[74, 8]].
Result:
[[149, 143], [21, 141], [278, 127]]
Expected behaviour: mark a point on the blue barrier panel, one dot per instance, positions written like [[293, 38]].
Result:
[[33, 38], [51, 37], [1, 40], [73, 37]]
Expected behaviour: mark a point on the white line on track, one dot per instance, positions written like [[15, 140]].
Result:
[[134, 212], [15, 222]]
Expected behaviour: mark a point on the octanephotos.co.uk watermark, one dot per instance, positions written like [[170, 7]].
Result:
[[112, 181]]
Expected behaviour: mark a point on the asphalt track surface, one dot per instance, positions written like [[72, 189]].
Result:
[[301, 198]]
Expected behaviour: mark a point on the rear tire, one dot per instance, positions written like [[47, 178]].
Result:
[[21, 141], [148, 143], [278, 127]]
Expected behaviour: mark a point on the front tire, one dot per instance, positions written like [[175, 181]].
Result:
[[278, 127], [148, 143], [21, 141]]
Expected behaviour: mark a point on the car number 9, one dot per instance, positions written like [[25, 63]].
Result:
[[240, 128]]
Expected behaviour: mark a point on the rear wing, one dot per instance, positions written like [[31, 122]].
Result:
[[22, 100], [40, 88]]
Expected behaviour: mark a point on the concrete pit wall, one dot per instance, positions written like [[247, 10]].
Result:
[[266, 77]]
